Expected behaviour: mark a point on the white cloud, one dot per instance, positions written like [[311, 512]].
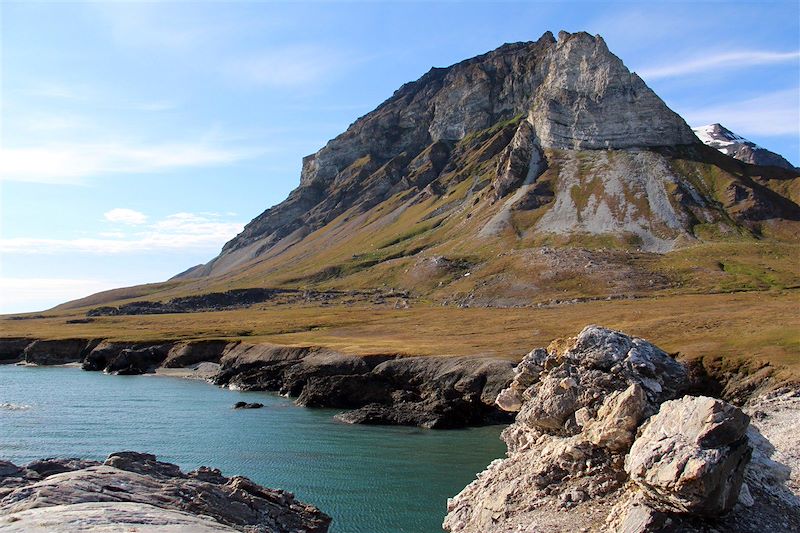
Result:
[[720, 61], [20, 295], [776, 113], [126, 216], [62, 163], [179, 232]]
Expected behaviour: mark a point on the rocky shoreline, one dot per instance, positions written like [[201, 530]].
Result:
[[607, 439], [610, 434], [430, 392], [132, 491]]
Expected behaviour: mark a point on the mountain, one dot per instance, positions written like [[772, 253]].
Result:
[[719, 137], [539, 170], [570, 94]]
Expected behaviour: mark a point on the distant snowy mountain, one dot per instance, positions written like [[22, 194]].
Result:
[[727, 142]]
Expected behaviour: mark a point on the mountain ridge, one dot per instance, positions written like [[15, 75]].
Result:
[[494, 181], [718, 136], [576, 93]]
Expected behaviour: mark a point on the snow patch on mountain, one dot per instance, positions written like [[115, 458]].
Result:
[[729, 143]]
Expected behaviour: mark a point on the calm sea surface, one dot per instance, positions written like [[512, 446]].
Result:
[[370, 479]]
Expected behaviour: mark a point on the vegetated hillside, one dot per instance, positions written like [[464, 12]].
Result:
[[540, 171]]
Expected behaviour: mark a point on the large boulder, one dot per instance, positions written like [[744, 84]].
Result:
[[601, 444], [579, 404], [691, 456], [562, 388]]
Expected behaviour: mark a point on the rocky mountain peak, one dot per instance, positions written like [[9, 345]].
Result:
[[719, 137], [500, 119], [576, 92]]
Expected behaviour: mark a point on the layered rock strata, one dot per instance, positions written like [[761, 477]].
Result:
[[605, 440], [134, 491], [569, 93]]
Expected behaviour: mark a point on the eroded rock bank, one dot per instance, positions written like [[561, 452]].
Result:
[[432, 392], [135, 492], [606, 439]]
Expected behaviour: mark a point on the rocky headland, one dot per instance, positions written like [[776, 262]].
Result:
[[431, 392], [425, 391], [610, 432], [132, 491], [609, 436]]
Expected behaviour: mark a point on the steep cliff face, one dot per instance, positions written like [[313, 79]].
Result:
[[570, 93]]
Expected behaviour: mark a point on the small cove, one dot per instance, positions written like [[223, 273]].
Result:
[[370, 479]]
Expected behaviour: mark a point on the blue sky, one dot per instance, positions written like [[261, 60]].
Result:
[[138, 137]]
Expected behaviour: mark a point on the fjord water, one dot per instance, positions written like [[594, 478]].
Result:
[[370, 479]]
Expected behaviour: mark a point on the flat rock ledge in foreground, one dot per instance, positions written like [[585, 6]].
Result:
[[134, 492], [605, 439]]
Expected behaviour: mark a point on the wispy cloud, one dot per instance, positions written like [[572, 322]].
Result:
[[125, 216], [714, 62], [153, 25], [160, 105], [53, 122], [290, 66], [178, 232], [96, 96], [775, 113], [60, 91], [73, 163]]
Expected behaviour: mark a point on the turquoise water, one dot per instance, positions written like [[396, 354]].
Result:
[[370, 479]]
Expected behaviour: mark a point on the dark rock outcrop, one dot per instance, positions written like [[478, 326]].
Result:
[[434, 392], [12, 349], [136, 490], [193, 352], [191, 304], [126, 358], [58, 352], [237, 299], [245, 405]]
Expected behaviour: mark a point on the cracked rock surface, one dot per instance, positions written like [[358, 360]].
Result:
[[605, 440], [135, 491]]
